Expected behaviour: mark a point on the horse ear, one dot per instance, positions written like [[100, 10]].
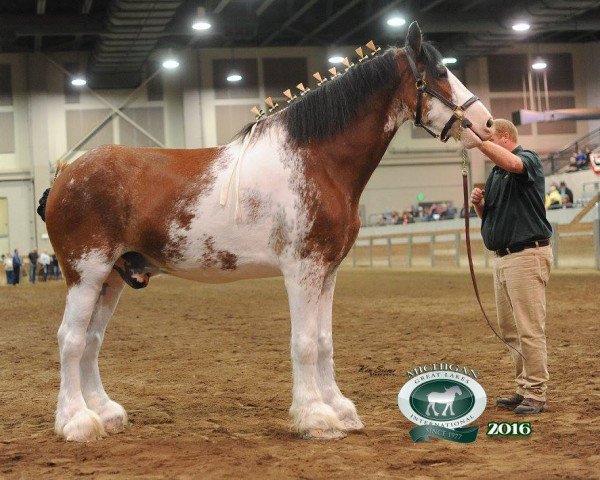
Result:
[[414, 38]]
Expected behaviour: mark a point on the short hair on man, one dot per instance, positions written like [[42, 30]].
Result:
[[503, 126]]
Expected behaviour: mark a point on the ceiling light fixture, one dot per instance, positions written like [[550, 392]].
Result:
[[201, 22], [78, 82], [170, 63], [234, 77], [336, 59], [521, 27], [396, 21], [448, 60], [539, 64]]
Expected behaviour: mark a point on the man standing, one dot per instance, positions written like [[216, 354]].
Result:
[[45, 263], [514, 226], [16, 268], [33, 258], [8, 268]]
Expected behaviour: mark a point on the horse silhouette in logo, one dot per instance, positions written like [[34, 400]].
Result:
[[445, 398]]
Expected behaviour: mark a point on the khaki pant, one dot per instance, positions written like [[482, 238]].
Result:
[[520, 286]]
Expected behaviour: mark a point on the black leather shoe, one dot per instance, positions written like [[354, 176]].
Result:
[[529, 406], [509, 402]]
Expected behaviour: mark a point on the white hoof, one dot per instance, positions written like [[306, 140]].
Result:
[[318, 434], [346, 412], [84, 426], [113, 415], [316, 419]]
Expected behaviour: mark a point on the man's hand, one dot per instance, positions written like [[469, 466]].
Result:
[[477, 196]]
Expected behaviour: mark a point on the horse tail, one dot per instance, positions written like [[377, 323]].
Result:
[[60, 166], [41, 209]]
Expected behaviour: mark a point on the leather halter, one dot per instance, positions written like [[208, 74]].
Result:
[[458, 112]]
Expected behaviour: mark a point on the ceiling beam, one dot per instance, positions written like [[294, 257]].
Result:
[[263, 6], [40, 9], [431, 5], [307, 6], [330, 20], [86, 8], [471, 4], [222, 4]]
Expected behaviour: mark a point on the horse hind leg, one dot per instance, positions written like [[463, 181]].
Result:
[[432, 406], [330, 392], [113, 415], [84, 276]]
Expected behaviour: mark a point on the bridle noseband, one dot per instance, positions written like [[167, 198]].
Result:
[[459, 112]]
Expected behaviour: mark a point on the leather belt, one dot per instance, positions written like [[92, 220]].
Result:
[[521, 246]]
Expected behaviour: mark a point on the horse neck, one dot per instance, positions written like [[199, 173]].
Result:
[[350, 157]]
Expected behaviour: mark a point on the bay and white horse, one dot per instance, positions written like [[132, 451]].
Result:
[[120, 215]]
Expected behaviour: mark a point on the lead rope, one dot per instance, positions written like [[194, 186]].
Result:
[[469, 255]]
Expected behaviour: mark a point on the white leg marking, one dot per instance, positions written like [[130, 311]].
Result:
[[331, 394], [113, 415], [74, 421], [312, 417]]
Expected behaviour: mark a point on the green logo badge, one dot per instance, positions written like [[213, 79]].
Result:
[[442, 399]]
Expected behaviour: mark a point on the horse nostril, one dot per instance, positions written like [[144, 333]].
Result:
[[489, 123]]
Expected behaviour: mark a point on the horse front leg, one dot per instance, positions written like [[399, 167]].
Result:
[[312, 417], [343, 407]]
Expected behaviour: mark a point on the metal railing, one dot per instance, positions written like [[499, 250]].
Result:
[[555, 161], [573, 246]]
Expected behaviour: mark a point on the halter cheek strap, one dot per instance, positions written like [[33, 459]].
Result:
[[458, 112]]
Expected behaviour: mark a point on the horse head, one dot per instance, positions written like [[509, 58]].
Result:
[[436, 99], [454, 389]]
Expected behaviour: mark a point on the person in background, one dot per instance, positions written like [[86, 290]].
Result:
[[45, 261], [407, 218], [553, 198], [8, 268], [566, 203], [33, 259], [564, 190], [580, 160], [55, 267], [16, 268]]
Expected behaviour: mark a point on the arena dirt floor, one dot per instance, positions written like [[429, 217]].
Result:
[[204, 373]]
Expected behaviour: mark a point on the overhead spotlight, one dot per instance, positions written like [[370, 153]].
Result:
[[521, 27], [78, 81], [336, 59], [170, 63], [448, 60], [539, 64], [234, 77], [396, 21], [201, 22]]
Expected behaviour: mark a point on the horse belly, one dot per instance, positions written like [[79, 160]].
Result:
[[218, 275]]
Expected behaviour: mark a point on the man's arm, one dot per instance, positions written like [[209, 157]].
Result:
[[502, 157]]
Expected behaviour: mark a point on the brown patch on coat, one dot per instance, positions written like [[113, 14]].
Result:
[[279, 238], [212, 257], [116, 197], [255, 205]]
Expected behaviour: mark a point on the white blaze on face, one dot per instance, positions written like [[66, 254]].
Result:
[[478, 115]]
